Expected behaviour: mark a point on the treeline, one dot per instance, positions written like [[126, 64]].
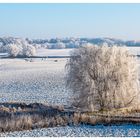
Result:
[[27, 47]]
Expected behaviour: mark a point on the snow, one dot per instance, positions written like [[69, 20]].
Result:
[[134, 50], [53, 52], [3, 54], [81, 131], [39, 81], [66, 52]]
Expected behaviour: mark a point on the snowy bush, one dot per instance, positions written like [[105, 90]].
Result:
[[102, 78]]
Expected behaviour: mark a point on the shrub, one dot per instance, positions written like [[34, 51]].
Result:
[[102, 78]]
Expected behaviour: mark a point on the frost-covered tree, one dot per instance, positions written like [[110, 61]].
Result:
[[58, 45], [2, 49], [20, 49], [13, 49], [103, 78], [29, 50], [1, 44]]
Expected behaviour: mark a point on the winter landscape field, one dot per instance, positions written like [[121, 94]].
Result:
[[43, 81], [69, 69]]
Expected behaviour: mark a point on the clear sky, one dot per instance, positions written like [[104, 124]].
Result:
[[70, 20]]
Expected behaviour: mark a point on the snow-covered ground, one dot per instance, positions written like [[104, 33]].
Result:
[[53, 52], [81, 131], [39, 81], [134, 50], [66, 52], [44, 81]]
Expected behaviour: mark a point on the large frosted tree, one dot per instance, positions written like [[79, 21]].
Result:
[[103, 78]]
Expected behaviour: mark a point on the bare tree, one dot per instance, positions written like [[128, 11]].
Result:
[[102, 78]]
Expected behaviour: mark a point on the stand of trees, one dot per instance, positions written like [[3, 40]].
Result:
[[14, 50]]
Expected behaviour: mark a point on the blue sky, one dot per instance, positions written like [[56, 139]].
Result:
[[70, 20]]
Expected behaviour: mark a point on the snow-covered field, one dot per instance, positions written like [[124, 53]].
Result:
[[53, 52], [66, 52], [39, 81], [81, 131], [44, 81], [134, 50]]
